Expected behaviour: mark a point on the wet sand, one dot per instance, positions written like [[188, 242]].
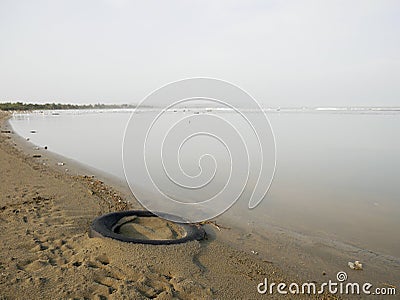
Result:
[[46, 252]]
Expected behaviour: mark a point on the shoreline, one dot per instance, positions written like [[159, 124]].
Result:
[[46, 252], [72, 166], [277, 249]]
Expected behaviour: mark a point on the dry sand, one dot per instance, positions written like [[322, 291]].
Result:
[[46, 252]]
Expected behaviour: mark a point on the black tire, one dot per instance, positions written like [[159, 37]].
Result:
[[104, 226]]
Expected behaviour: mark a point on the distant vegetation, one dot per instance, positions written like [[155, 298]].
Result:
[[55, 106]]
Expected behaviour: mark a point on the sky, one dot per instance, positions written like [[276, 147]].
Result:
[[284, 53]]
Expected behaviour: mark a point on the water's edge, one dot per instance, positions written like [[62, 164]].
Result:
[[299, 254]]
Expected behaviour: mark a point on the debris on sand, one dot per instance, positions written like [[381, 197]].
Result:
[[355, 265], [112, 198], [37, 156], [60, 164], [213, 223]]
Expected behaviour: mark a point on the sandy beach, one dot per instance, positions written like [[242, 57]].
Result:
[[46, 252], [199, 150]]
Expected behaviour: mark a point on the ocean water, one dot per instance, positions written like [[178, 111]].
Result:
[[337, 173]]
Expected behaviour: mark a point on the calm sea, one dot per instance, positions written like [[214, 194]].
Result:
[[337, 173]]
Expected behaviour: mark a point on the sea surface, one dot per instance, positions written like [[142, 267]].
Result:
[[337, 172]]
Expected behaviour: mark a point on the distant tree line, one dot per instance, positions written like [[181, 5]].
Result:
[[55, 106]]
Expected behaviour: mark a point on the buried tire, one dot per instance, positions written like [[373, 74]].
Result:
[[108, 225]]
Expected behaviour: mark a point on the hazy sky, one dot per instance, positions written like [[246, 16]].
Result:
[[284, 53]]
